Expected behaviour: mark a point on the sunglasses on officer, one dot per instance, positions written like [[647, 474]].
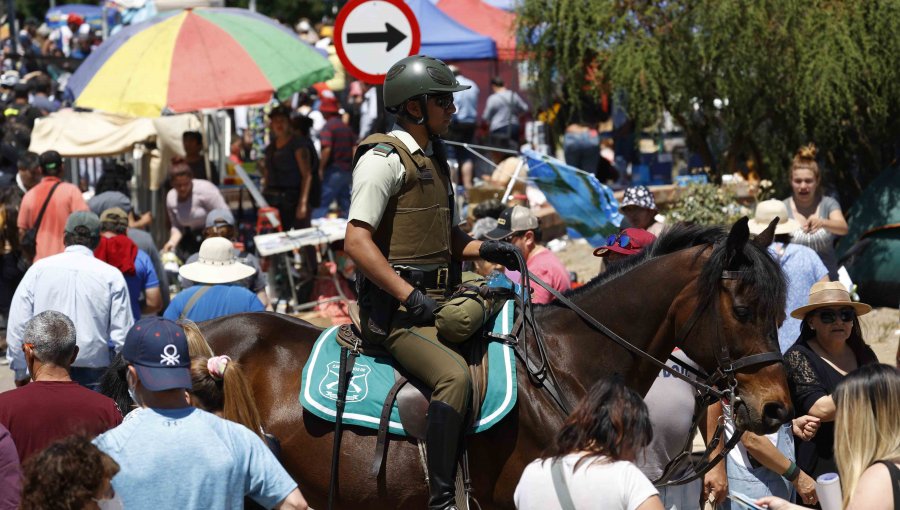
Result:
[[623, 240], [444, 101], [830, 316]]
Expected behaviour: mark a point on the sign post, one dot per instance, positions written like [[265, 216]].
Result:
[[371, 35]]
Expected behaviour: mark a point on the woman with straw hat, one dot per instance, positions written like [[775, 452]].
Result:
[[830, 346]]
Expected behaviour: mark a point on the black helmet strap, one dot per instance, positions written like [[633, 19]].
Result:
[[423, 105]]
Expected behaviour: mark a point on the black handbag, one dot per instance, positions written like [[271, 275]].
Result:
[[28, 243]]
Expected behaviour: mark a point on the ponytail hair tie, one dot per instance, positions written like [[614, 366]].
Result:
[[216, 366]]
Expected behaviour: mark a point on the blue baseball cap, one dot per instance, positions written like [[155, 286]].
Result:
[[158, 350]]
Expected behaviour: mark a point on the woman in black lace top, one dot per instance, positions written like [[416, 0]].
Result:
[[830, 346]]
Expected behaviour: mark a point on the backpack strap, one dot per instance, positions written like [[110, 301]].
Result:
[[559, 484], [37, 223], [193, 300]]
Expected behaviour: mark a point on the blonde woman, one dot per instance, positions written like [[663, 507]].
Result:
[[820, 217], [866, 442]]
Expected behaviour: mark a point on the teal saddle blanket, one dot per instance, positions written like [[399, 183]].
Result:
[[373, 378]]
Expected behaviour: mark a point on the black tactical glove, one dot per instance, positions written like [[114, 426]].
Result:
[[500, 252], [420, 307]]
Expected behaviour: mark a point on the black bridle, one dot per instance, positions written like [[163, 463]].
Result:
[[708, 391]]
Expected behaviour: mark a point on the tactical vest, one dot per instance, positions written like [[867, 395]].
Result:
[[415, 227]]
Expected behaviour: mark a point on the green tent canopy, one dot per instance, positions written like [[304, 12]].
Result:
[[871, 248]]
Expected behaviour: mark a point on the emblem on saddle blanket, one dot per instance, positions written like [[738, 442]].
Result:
[[357, 388], [373, 378]]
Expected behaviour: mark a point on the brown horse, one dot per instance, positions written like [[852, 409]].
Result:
[[647, 301]]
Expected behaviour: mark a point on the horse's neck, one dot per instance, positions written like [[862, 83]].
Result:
[[635, 305]]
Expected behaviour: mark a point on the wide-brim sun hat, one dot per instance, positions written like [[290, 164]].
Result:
[[768, 210], [828, 294], [216, 264]]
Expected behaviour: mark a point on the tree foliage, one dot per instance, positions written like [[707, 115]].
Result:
[[782, 72]]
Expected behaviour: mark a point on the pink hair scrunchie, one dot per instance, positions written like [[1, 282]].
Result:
[[216, 366]]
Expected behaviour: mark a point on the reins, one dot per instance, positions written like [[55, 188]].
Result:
[[707, 393]]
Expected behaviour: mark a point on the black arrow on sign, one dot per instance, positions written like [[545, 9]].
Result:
[[391, 36]]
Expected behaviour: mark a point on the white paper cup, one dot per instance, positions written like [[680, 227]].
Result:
[[828, 489]]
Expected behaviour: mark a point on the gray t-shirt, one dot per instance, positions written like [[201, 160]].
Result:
[[503, 109], [670, 402], [821, 241]]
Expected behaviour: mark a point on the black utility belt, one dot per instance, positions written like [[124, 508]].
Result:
[[435, 279]]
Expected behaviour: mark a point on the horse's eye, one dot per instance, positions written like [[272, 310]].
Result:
[[743, 313]]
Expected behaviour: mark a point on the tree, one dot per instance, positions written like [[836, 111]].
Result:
[[745, 80]]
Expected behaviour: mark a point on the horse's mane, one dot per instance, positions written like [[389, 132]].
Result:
[[758, 269]]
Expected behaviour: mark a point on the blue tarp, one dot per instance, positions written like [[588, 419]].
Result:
[[586, 206], [444, 38]]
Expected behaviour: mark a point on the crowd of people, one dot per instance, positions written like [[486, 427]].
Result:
[[83, 288]]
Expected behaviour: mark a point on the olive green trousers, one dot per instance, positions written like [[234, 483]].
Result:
[[422, 354]]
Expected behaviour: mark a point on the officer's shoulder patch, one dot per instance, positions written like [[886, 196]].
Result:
[[382, 149]]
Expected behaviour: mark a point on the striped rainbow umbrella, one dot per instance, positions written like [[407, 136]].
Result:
[[195, 59]]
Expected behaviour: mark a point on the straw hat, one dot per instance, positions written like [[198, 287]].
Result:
[[217, 264], [823, 294], [766, 211]]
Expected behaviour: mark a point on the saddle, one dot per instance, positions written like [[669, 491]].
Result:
[[411, 395]]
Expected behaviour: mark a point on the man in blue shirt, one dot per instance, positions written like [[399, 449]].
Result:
[[173, 455], [212, 296], [121, 252], [462, 129]]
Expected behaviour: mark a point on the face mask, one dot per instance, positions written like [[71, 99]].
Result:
[[131, 392], [110, 504]]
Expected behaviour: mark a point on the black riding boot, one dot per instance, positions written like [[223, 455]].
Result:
[[441, 445]]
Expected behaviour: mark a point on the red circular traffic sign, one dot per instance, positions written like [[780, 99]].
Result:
[[371, 35]]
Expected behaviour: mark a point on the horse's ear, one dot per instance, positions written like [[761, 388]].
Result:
[[764, 239], [737, 238]]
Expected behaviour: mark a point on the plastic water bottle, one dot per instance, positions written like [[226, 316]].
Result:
[[499, 281]]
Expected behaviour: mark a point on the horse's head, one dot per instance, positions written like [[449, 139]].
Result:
[[733, 326]]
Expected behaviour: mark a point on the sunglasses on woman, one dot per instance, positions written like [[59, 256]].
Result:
[[444, 100], [619, 239], [829, 316]]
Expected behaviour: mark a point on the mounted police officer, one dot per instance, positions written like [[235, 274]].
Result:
[[403, 237]]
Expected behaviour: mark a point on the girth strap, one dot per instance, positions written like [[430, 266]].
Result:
[[386, 408], [345, 371]]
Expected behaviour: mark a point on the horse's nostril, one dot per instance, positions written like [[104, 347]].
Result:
[[775, 413]]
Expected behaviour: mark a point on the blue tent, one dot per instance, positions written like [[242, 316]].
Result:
[[444, 38]]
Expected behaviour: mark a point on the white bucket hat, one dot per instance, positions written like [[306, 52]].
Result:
[[217, 264], [766, 211]]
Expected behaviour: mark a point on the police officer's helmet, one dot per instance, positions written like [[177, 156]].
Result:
[[415, 76]]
